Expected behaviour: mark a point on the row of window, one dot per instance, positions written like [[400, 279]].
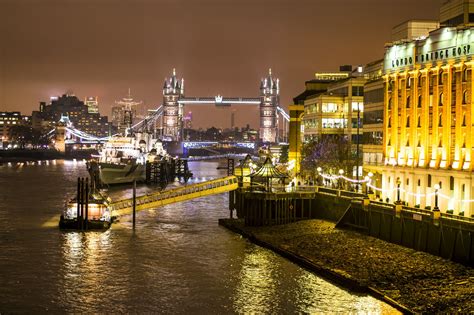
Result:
[[373, 96], [431, 140], [333, 108], [374, 137], [440, 120], [466, 99], [430, 182], [334, 123], [373, 117], [440, 78]]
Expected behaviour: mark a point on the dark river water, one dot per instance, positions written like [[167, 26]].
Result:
[[178, 260]]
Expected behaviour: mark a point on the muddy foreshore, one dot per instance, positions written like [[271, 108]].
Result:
[[410, 280]]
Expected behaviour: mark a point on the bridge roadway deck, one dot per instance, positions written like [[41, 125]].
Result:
[[165, 197]]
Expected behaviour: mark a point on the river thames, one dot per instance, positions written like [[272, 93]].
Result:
[[178, 259]]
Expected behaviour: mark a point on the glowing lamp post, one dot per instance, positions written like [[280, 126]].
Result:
[[436, 188], [367, 179], [341, 173], [369, 182], [399, 182]]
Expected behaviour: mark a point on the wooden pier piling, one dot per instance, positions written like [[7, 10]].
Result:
[[134, 194], [86, 219], [78, 198], [230, 166]]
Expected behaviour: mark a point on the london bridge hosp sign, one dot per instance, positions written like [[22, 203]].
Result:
[[442, 45]]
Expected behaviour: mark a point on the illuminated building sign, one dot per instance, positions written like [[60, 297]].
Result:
[[442, 44]]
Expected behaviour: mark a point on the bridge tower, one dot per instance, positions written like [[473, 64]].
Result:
[[172, 122], [269, 101]]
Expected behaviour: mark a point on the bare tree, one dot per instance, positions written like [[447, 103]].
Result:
[[330, 152]]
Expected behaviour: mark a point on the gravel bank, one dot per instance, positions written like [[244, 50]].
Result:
[[421, 282]]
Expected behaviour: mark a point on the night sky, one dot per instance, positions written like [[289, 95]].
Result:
[[103, 47]]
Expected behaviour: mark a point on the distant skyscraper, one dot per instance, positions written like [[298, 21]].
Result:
[[92, 104], [123, 112]]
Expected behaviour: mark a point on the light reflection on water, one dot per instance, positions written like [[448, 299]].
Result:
[[257, 285], [177, 261]]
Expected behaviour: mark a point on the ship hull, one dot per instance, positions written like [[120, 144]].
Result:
[[111, 174], [73, 224]]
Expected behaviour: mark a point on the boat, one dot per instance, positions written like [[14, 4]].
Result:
[[123, 159], [98, 214]]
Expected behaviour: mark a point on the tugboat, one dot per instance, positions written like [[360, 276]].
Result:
[[98, 214]]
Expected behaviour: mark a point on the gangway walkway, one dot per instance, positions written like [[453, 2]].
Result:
[[165, 197]]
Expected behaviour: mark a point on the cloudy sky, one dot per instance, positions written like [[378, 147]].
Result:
[[103, 47]]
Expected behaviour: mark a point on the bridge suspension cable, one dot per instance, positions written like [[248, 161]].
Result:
[[283, 113], [150, 118], [84, 136]]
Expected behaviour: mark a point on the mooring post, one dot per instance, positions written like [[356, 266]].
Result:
[[86, 221], [83, 201], [78, 199], [134, 201]]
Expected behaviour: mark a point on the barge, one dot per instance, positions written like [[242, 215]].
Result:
[[91, 214]]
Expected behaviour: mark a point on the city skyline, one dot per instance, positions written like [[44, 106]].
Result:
[[237, 156], [103, 48]]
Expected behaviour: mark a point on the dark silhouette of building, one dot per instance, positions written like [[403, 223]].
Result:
[[77, 112]]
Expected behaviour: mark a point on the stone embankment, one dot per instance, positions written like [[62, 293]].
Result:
[[420, 282]]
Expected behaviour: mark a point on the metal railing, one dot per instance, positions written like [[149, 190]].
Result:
[[350, 194]]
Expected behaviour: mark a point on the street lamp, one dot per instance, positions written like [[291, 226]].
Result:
[[398, 190], [370, 181], [341, 172], [319, 179], [367, 179], [437, 187]]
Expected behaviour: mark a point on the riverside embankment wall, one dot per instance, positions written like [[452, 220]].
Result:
[[448, 236]]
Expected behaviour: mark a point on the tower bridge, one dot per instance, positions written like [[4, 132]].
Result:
[[268, 101], [170, 114]]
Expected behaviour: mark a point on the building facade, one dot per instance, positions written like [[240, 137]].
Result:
[[338, 111], [372, 137], [92, 104], [7, 121], [413, 29], [78, 113], [428, 141], [457, 12], [124, 112]]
